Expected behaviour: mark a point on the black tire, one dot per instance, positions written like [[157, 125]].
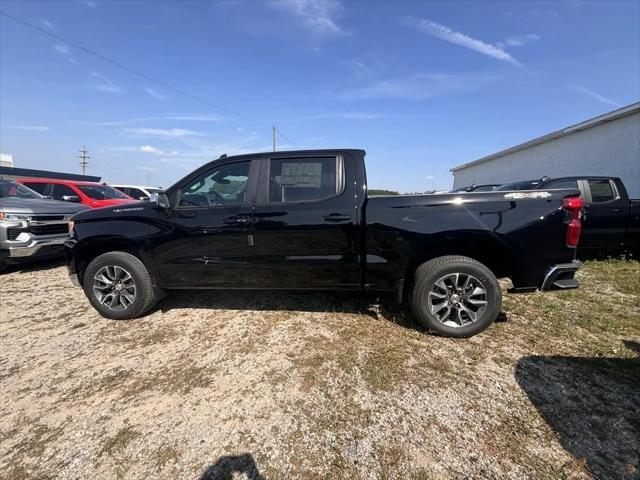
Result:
[[144, 295], [428, 281]]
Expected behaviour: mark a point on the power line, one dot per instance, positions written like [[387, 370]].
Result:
[[136, 72], [84, 158], [285, 137]]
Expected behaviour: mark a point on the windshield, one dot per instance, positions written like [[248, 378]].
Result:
[[10, 189], [101, 192], [526, 185]]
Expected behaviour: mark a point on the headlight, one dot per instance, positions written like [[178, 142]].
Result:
[[71, 225]]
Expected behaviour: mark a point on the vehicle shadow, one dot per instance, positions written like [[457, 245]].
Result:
[[592, 406], [287, 300], [229, 467], [35, 265], [370, 304]]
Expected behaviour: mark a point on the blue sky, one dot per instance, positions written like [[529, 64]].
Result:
[[422, 86]]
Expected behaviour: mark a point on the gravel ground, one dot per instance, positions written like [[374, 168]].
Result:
[[263, 385]]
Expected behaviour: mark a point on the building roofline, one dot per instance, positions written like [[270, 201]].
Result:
[[578, 127], [48, 174]]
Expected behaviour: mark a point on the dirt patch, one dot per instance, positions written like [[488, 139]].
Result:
[[317, 385]]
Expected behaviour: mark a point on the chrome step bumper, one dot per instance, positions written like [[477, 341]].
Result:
[[560, 277]]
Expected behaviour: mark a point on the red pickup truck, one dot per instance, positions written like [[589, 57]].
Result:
[[92, 194]]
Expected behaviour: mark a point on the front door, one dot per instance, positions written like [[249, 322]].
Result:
[[304, 220], [205, 241]]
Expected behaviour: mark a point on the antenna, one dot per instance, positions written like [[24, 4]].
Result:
[[84, 158], [273, 136]]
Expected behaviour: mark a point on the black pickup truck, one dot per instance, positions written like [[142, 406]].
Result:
[[302, 220], [611, 220]]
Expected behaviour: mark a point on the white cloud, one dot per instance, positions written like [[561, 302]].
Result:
[[448, 35], [162, 132], [177, 118], [594, 95], [144, 168], [318, 16], [34, 128], [48, 25], [150, 149], [519, 40], [108, 86], [66, 51], [155, 93], [429, 177], [418, 86], [63, 49]]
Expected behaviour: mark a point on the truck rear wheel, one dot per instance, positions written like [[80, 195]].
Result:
[[455, 296], [118, 286]]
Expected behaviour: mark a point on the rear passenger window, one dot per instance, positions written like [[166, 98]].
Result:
[[38, 187], [563, 184], [135, 193], [305, 179], [601, 191]]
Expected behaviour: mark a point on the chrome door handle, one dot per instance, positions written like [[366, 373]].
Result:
[[336, 217], [235, 220]]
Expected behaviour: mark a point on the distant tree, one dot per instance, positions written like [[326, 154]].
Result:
[[377, 192]]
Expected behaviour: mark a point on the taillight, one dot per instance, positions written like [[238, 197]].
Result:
[[574, 206]]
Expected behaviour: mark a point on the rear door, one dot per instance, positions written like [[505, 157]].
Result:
[[41, 188], [304, 222], [606, 215], [205, 241]]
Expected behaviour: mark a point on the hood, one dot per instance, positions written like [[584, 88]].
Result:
[[121, 209], [110, 202], [36, 206]]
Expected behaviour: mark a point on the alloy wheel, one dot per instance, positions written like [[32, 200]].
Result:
[[457, 299], [114, 287]]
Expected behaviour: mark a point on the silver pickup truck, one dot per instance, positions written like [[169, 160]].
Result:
[[31, 226]]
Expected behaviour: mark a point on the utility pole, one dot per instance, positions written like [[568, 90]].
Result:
[[84, 159], [273, 136]]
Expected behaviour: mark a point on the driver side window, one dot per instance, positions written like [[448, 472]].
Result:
[[222, 185]]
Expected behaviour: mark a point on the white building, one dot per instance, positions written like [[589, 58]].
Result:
[[607, 145], [6, 160]]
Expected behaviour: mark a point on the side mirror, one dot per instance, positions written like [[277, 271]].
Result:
[[71, 198], [159, 200], [144, 198]]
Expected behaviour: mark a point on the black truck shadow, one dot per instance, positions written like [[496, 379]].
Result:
[[283, 300], [35, 265], [370, 304], [593, 406], [230, 467]]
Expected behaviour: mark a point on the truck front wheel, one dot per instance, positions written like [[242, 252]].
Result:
[[455, 296], [118, 286]]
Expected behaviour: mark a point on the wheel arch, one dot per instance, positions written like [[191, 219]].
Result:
[[493, 253], [88, 251]]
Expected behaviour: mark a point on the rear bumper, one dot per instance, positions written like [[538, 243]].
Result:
[[560, 277]]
